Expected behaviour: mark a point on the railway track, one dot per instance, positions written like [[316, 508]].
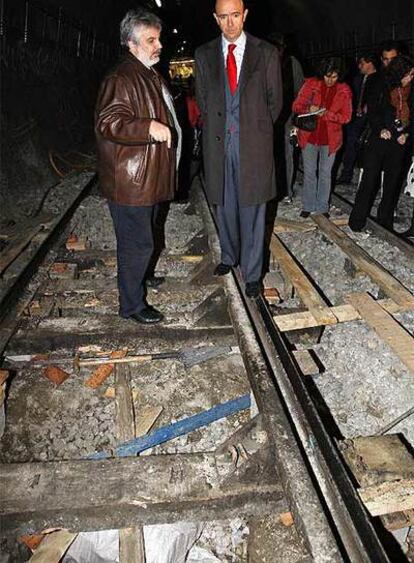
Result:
[[254, 441]]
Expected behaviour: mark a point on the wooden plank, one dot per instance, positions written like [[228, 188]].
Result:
[[388, 497], [131, 540], [306, 362], [306, 290], [291, 226], [375, 460], [387, 328], [398, 520], [362, 260], [131, 545], [15, 248], [344, 313], [122, 493]]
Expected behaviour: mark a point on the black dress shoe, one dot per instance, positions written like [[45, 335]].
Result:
[[221, 269], [253, 289], [154, 281], [148, 315], [304, 214]]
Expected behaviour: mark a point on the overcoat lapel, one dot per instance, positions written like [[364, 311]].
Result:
[[250, 61], [217, 68]]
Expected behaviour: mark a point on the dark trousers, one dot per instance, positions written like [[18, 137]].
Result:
[[380, 155], [353, 133], [241, 229], [135, 245]]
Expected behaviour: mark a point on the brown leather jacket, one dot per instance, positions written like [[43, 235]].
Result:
[[133, 170]]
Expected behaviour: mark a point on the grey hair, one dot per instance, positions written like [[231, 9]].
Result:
[[135, 19]]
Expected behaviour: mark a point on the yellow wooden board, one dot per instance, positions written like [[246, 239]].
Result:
[[387, 328], [362, 260], [308, 293]]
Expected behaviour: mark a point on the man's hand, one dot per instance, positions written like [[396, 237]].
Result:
[[160, 132], [314, 108], [402, 139], [385, 134]]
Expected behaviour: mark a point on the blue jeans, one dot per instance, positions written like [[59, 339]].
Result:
[[317, 179]]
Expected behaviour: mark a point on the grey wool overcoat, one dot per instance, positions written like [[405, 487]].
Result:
[[260, 104]]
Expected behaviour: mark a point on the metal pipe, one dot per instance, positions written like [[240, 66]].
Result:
[[26, 23], [2, 23]]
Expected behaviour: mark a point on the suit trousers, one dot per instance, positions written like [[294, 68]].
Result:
[[241, 229], [134, 227], [386, 155]]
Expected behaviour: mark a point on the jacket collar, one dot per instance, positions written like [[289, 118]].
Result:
[[250, 61], [141, 68]]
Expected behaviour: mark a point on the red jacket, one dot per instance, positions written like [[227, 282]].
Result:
[[339, 112]]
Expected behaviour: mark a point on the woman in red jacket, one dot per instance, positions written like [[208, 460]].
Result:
[[324, 93]]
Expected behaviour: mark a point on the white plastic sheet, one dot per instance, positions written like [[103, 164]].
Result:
[[167, 543]]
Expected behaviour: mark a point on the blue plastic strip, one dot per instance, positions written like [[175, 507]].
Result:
[[166, 433]]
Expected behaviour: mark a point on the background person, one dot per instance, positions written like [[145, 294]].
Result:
[[388, 114], [367, 64], [319, 147]]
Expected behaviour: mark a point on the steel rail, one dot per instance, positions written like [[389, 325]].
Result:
[[350, 523]]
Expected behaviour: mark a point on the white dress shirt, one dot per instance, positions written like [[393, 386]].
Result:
[[238, 51]]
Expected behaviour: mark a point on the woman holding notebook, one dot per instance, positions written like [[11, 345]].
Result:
[[330, 100]]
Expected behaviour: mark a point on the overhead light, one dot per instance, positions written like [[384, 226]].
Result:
[[175, 30], [159, 3]]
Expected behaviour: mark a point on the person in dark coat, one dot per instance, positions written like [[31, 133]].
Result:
[[239, 92], [388, 115], [135, 126]]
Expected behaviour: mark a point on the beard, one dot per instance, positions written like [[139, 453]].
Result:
[[152, 60]]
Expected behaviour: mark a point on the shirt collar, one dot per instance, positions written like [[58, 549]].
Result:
[[240, 42]]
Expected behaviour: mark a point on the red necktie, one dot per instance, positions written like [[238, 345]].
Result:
[[232, 69]]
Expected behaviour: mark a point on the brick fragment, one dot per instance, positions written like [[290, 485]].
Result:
[[55, 374]]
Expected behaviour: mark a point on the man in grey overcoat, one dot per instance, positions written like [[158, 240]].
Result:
[[239, 91]]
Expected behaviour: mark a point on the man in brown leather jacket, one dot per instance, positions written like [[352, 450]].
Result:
[[135, 128]]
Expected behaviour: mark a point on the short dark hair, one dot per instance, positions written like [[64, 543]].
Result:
[[369, 57], [329, 65], [391, 45], [134, 19], [398, 68]]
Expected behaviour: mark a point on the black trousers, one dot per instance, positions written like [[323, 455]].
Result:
[[380, 155], [353, 133], [134, 230]]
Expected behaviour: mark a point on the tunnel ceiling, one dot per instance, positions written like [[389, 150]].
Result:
[[304, 18]]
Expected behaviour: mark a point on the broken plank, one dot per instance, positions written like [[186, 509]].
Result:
[[398, 520], [388, 497], [387, 328], [131, 540], [146, 418], [308, 293], [362, 260], [344, 313], [122, 493]]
